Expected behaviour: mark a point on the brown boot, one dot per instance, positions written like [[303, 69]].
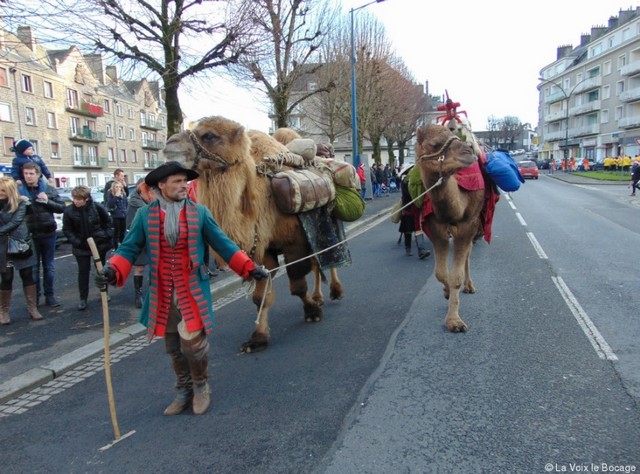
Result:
[[32, 302], [196, 351], [5, 302], [183, 376]]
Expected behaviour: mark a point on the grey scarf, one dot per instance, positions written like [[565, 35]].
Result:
[[171, 219]]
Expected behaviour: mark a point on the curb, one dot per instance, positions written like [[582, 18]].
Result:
[[35, 377]]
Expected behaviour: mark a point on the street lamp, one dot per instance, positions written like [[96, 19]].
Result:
[[354, 113], [567, 97]]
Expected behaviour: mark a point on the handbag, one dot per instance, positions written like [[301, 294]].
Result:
[[18, 248]]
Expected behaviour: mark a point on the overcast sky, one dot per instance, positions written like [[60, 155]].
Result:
[[488, 54]]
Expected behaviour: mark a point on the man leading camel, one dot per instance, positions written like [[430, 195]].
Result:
[[177, 232]]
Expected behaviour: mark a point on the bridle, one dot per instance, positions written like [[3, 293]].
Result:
[[202, 152], [440, 155]]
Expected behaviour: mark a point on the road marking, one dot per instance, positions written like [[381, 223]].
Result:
[[537, 247], [520, 218], [603, 349]]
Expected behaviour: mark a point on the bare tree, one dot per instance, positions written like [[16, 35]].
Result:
[[288, 35], [174, 39]]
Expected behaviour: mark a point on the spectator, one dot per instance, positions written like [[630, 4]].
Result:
[[374, 180], [140, 197], [25, 153], [81, 220], [363, 180], [13, 225], [41, 206], [118, 175], [117, 207], [635, 177], [379, 179], [410, 219]]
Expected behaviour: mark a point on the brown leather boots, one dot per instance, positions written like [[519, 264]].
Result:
[[32, 304]]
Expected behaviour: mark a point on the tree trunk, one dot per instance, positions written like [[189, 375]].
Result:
[[172, 103]]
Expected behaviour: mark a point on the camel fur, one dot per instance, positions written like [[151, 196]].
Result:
[[456, 212], [234, 186]]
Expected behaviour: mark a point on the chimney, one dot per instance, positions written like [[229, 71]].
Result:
[[585, 39], [597, 32], [112, 73], [613, 22], [563, 51], [26, 36]]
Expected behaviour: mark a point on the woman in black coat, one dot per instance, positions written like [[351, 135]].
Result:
[[83, 219], [13, 224]]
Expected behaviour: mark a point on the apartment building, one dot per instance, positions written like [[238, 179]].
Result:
[[83, 120], [589, 101]]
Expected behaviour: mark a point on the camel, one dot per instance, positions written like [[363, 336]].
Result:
[[233, 184], [455, 211]]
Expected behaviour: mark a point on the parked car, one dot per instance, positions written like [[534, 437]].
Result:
[[528, 169]]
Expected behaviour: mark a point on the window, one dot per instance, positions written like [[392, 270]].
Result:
[[118, 109], [77, 154], [130, 113], [134, 156], [92, 154], [145, 157], [91, 124], [36, 146], [143, 118], [111, 156], [55, 150], [108, 131], [8, 143], [27, 86], [29, 116], [74, 123], [132, 134], [123, 156], [120, 132], [606, 92], [107, 106], [606, 68], [619, 87], [4, 78], [619, 113], [51, 120], [48, 89], [5, 112], [622, 61], [604, 116], [144, 138], [72, 99]]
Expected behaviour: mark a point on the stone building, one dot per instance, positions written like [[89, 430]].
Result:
[[83, 120]]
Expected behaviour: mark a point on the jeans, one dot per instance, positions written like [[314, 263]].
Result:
[[45, 249]]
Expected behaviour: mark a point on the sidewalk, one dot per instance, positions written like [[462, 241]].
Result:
[[58, 355], [576, 179]]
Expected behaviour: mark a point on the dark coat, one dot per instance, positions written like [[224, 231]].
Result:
[[117, 206], [90, 220], [14, 224], [40, 218]]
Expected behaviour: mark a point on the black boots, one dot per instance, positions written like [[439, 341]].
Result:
[[407, 244], [137, 290]]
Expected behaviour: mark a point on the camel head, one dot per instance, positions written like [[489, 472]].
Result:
[[215, 144], [440, 152]]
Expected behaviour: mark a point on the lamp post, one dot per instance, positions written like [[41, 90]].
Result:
[[354, 112], [567, 97]]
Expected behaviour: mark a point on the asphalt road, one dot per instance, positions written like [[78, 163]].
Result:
[[379, 386]]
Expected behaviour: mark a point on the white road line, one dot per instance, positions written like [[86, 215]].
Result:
[[520, 218], [603, 349], [513, 206], [537, 247]]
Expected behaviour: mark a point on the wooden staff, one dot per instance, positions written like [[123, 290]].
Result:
[[107, 357]]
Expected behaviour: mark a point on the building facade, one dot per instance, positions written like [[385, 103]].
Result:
[[589, 101], [81, 118]]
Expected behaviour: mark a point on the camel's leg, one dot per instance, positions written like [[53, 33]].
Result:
[[336, 289], [259, 339], [317, 295], [468, 282], [441, 251], [461, 252], [312, 310]]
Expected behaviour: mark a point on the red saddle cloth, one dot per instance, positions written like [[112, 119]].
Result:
[[472, 178]]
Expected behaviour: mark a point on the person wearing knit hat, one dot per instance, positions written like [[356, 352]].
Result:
[[25, 153]]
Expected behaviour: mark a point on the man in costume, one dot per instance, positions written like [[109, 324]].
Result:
[[176, 233]]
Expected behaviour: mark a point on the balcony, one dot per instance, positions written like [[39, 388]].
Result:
[[89, 161], [629, 122], [555, 97], [151, 124], [152, 145], [585, 108], [591, 129], [630, 95], [152, 163], [555, 116], [588, 84], [87, 135], [630, 69], [86, 108], [553, 136]]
